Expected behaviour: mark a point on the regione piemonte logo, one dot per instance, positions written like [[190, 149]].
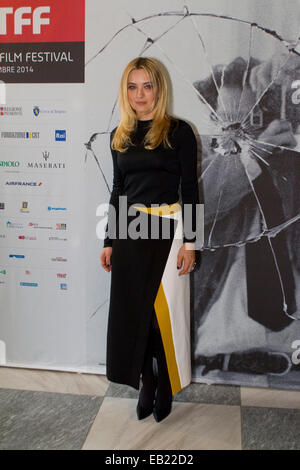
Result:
[[42, 41]]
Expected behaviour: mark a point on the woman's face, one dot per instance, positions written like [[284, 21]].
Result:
[[140, 94]]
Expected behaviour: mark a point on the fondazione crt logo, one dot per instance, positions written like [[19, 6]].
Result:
[[42, 41]]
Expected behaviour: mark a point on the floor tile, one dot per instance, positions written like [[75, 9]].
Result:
[[214, 394], [46, 421], [121, 391], [197, 393], [270, 398], [53, 381], [270, 428], [189, 426]]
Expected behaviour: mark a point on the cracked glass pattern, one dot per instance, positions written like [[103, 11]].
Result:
[[240, 100]]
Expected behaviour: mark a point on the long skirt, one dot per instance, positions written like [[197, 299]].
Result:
[[144, 276]]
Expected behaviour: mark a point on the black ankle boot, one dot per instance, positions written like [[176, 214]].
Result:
[[144, 407], [147, 393], [163, 399]]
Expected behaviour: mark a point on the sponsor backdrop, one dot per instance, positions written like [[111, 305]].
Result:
[[234, 74], [42, 198]]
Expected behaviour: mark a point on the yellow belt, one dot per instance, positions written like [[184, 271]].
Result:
[[161, 210]]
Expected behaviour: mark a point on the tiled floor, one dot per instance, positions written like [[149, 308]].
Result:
[[58, 410]]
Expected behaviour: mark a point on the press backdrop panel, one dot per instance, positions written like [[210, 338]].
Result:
[[42, 205], [233, 69]]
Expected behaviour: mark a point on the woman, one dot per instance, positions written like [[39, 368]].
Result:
[[149, 314]]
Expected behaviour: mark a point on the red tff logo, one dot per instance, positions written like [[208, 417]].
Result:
[[24, 17], [27, 21]]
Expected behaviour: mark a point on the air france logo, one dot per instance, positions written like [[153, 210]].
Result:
[[35, 20], [23, 183], [60, 135]]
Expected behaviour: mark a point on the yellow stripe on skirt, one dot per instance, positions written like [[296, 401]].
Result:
[[172, 305]]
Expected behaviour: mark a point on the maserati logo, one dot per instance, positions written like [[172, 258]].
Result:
[[46, 155]]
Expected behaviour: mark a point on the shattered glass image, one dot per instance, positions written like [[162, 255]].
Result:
[[245, 290]]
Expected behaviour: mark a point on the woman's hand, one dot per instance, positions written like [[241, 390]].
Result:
[[106, 258], [188, 258]]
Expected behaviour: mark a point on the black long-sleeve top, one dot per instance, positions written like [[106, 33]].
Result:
[[153, 176]]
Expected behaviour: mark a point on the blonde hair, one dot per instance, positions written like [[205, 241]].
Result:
[[161, 123]]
